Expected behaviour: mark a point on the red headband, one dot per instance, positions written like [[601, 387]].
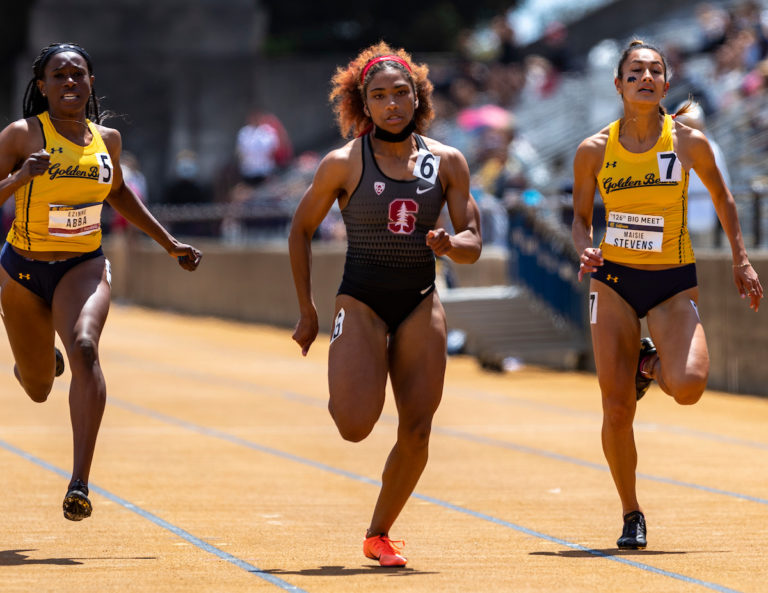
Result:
[[397, 59]]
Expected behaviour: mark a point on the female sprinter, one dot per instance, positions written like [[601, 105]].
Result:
[[391, 183], [61, 165], [645, 264]]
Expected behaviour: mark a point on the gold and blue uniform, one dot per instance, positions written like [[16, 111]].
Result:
[[59, 210], [646, 205], [646, 202]]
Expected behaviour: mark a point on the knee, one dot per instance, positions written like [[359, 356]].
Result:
[[618, 414], [85, 352], [353, 433], [36, 389], [350, 428], [415, 435], [689, 391], [38, 392]]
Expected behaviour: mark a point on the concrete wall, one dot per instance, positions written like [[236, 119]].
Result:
[[254, 284]]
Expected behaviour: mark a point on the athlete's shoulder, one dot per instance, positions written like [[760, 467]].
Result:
[[440, 149], [110, 136], [344, 155], [340, 162], [687, 134], [591, 150], [596, 142], [21, 137], [22, 127]]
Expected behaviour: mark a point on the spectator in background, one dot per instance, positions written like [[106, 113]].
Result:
[[262, 147], [136, 181], [702, 218], [686, 85], [186, 188]]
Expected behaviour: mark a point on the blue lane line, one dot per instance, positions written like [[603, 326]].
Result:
[[597, 466], [564, 411], [548, 454], [246, 385], [195, 541], [215, 433], [579, 547]]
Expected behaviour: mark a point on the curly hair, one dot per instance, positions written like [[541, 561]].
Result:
[[35, 102], [348, 90]]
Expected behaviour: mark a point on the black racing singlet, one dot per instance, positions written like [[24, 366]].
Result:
[[387, 223]]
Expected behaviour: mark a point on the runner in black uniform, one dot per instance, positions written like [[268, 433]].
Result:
[[391, 184]]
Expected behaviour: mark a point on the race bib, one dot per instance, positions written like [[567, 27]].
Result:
[[426, 166], [670, 168], [72, 221], [639, 232]]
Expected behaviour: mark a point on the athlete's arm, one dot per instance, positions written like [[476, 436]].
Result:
[[16, 146], [327, 185], [465, 246], [126, 202], [697, 148], [587, 161]]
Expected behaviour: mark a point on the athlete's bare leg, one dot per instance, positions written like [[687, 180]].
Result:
[[357, 370], [80, 307], [417, 371], [679, 337], [29, 325], [616, 342]]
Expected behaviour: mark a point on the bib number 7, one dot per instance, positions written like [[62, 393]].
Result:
[[670, 168]]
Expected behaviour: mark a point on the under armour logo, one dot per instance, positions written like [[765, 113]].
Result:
[[54, 149], [23, 276], [610, 164], [611, 278]]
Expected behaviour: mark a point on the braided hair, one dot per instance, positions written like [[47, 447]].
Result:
[[35, 102]]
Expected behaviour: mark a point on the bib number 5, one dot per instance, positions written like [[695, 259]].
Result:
[[105, 167]]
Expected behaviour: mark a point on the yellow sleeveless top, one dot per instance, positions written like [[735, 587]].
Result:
[[646, 202], [60, 210]]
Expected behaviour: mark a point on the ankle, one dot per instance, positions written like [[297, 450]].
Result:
[[373, 533]]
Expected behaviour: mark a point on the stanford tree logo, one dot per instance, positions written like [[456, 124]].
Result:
[[402, 216]]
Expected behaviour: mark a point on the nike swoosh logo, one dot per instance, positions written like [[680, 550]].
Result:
[[426, 290], [421, 190]]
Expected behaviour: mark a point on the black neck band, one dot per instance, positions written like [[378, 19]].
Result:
[[390, 137]]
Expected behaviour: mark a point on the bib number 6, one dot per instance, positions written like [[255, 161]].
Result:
[[427, 165]]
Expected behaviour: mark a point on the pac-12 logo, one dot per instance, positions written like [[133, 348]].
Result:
[[378, 187], [402, 216]]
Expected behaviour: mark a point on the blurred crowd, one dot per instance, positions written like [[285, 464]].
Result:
[[517, 114]]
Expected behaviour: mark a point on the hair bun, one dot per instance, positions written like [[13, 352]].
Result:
[[635, 42]]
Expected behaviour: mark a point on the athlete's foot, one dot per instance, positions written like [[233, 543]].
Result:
[[77, 506], [383, 549], [633, 534]]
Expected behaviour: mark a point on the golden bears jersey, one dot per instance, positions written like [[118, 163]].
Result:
[[60, 210], [646, 202]]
